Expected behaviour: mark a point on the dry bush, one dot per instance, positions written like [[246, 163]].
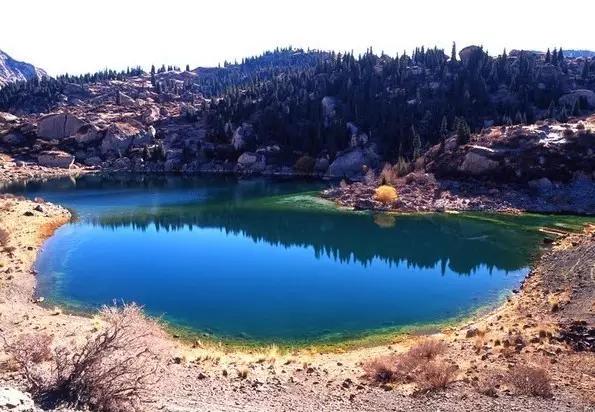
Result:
[[388, 175], [434, 375], [489, 383], [385, 194], [3, 237], [111, 372], [30, 348], [402, 167], [381, 369], [304, 165], [532, 381], [415, 365]]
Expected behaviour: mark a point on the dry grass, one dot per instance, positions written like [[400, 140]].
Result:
[[428, 349], [381, 369], [385, 194], [388, 175], [112, 371], [529, 380]]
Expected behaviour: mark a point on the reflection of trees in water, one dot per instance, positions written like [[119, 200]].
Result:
[[423, 241]]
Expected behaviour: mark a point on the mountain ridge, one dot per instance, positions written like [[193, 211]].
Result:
[[12, 70]]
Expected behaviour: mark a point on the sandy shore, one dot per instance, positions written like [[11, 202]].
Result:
[[202, 376]]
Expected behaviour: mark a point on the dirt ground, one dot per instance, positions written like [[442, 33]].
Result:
[[545, 324]]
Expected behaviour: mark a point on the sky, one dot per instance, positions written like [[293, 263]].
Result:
[[85, 36]]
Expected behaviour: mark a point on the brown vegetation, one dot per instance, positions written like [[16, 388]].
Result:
[[418, 365], [529, 380], [112, 371], [304, 165], [385, 194]]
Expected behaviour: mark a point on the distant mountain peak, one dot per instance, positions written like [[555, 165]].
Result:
[[12, 70]]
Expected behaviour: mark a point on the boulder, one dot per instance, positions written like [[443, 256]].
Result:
[[123, 163], [543, 184], [125, 100], [477, 164], [88, 134], [8, 117], [55, 158], [321, 165], [468, 53], [329, 109], [58, 126], [93, 161], [13, 139], [144, 138], [118, 138], [250, 163], [16, 401], [351, 163], [584, 95], [150, 115], [244, 136]]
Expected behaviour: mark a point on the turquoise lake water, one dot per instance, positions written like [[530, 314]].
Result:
[[268, 261]]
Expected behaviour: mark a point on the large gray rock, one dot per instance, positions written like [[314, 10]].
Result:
[[244, 136], [150, 114], [88, 134], [351, 163], [251, 163], [16, 401], [576, 95], [120, 137], [58, 126], [55, 158], [477, 164]]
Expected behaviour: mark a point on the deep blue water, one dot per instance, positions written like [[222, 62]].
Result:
[[267, 261]]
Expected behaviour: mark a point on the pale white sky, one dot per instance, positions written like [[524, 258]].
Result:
[[80, 36]]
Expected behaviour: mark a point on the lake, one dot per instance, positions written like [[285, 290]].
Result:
[[267, 261]]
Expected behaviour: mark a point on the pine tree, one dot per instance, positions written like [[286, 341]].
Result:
[[463, 131], [453, 52], [415, 143], [548, 56]]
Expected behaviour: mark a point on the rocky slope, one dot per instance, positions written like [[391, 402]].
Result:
[[12, 70], [546, 167]]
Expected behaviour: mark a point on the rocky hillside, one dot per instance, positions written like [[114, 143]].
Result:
[[12, 70], [311, 113]]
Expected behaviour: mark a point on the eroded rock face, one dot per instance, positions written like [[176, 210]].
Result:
[[55, 158], [58, 126], [120, 137], [351, 163]]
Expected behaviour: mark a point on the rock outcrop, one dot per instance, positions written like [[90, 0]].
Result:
[[58, 126]]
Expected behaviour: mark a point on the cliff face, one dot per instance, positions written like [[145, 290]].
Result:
[[12, 70]]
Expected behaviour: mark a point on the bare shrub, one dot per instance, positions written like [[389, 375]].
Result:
[[529, 380], [381, 369], [304, 165], [434, 375], [385, 194], [3, 237], [488, 384], [370, 177], [111, 372], [388, 175], [412, 366]]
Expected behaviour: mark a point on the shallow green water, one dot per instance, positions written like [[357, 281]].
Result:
[[268, 261]]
